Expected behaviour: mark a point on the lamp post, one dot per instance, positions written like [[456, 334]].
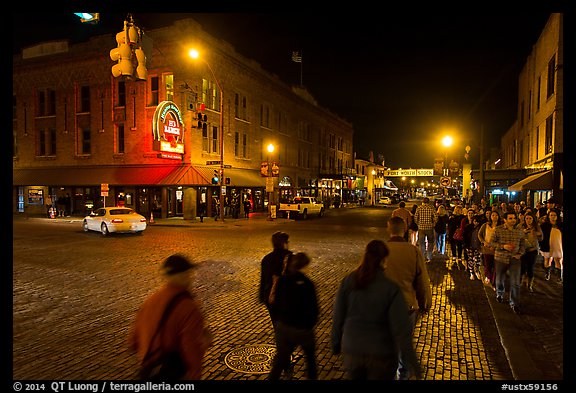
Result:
[[270, 149], [447, 142], [196, 55], [373, 187]]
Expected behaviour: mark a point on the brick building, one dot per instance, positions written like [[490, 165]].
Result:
[[531, 168], [536, 140], [76, 127]]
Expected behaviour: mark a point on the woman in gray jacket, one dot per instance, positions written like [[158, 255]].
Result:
[[370, 323]]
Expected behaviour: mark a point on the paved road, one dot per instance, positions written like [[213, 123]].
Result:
[[72, 312]]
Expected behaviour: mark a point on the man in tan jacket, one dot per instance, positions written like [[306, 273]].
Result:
[[405, 265]]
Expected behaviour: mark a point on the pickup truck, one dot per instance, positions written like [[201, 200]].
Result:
[[301, 207]]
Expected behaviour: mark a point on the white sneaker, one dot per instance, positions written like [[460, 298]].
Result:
[[471, 277]]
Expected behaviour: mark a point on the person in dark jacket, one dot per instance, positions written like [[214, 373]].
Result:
[[271, 269], [473, 247], [454, 222], [296, 310]]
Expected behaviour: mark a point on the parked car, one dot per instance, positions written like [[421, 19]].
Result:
[[301, 207], [114, 219], [385, 200]]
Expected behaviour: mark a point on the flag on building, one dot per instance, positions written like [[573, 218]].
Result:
[[296, 57]]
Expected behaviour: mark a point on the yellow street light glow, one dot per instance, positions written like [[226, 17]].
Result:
[[447, 141], [193, 53], [270, 148]]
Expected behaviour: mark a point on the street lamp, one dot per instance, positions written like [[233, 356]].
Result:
[[373, 189], [270, 149], [447, 142], [196, 55]]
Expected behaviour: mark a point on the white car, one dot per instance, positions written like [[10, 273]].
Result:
[[114, 219], [385, 200]]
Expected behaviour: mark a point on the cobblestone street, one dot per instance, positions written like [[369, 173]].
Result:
[[73, 309]]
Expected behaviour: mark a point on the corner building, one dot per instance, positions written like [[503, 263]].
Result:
[[155, 144]]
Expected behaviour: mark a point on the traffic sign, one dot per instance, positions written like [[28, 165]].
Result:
[[445, 181]]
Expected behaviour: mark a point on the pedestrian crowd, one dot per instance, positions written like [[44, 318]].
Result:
[[377, 304], [494, 243]]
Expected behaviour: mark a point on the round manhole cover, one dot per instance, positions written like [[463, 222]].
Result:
[[253, 359]]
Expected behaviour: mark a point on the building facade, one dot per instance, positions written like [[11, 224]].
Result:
[[534, 143], [157, 144]]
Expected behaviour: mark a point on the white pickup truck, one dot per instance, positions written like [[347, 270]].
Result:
[[301, 207]]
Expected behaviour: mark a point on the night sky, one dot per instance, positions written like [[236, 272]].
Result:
[[402, 79]]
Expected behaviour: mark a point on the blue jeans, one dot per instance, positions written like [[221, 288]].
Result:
[[426, 241], [513, 268], [403, 372], [440, 242]]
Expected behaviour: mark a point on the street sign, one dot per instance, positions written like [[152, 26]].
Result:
[[269, 184], [213, 162], [445, 181]]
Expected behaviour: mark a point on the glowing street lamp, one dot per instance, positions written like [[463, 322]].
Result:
[[193, 53], [373, 187], [270, 149], [447, 141]]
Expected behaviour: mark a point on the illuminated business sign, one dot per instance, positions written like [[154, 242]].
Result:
[[168, 128], [408, 172]]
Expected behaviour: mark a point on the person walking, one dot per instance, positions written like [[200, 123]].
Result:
[[485, 235], [370, 325], [246, 205], [532, 236], [425, 217], [202, 211], [509, 245], [413, 228], [296, 310], [182, 332], [271, 268], [406, 267], [456, 245], [405, 214], [551, 244], [440, 230], [472, 246]]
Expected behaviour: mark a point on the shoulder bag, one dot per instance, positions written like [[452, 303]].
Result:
[[458, 234], [168, 366], [272, 296]]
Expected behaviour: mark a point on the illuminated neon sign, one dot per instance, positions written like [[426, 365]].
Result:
[[168, 128]]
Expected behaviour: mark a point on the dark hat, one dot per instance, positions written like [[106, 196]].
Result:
[[177, 263]]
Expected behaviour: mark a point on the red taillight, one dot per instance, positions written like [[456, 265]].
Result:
[[117, 221], [142, 220]]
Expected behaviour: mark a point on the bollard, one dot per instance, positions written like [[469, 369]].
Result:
[[151, 218]]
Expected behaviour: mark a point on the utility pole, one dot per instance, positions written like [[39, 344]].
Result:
[[481, 186]]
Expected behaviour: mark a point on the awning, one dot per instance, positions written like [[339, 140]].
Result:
[[130, 175], [537, 181], [186, 175], [238, 177]]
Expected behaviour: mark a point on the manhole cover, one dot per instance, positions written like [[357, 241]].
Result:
[[253, 359]]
